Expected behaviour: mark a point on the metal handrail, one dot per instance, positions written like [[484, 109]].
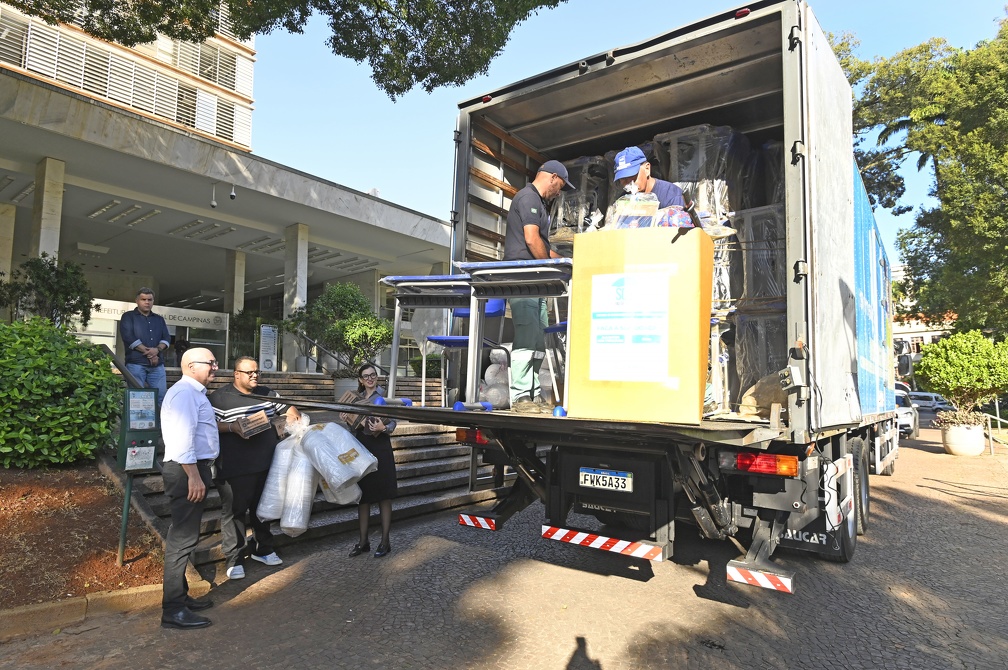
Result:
[[131, 381]]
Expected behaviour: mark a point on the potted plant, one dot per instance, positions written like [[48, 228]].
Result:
[[968, 369]]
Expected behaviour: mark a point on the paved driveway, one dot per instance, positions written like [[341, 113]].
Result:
[[927, 589]]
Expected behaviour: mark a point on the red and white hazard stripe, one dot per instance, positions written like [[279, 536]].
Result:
[[643, 550], [477, 521], [766, 580]]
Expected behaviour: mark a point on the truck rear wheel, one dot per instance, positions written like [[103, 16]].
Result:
[[862, 500]]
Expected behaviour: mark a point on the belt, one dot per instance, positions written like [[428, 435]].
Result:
[[206, 461]]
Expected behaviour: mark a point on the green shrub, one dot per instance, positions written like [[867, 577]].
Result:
[[433, 365], [966, 368], [58, 397]]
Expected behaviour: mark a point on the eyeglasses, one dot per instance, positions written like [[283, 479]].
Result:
[[250, 373], [373, 375], [212, 364]]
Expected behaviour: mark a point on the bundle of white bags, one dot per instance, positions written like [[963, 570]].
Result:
[[326, 454]]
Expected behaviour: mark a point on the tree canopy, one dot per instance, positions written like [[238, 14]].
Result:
[[948, 108], [430, 43]]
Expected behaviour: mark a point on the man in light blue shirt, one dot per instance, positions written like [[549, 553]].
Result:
[[189, 429]]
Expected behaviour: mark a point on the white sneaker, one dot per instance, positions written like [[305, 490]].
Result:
[[236, 572], [268, 559]]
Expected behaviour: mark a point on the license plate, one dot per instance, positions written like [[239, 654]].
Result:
[[610, 480]]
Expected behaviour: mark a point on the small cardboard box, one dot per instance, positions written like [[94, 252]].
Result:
[[253, 424], [351, 398]]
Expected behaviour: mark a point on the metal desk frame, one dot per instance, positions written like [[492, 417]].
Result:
[[547, 278]]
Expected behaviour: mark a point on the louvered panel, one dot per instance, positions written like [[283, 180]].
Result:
[[226, 70], [223, 15], [187, 57], [225, 119], [120, 79], [208, 62], [70, 65], [96, 69], [147, 49], [243, 75], [165, 49], [42, 46], [13, 39], [243, 126], [185, 113], [166, 97], [144, 79], [206, 111]]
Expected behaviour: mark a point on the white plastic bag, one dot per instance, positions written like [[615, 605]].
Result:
[[302, 482], [337, 455], [348, 494], [271, 503]]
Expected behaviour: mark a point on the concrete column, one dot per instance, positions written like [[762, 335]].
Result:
[[234, 282], [295, 282], [7, 212], [48, 207]]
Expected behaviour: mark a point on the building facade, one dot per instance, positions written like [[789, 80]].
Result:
[[137, 164]]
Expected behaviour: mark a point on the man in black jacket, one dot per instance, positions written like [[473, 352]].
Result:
[[244, 463]]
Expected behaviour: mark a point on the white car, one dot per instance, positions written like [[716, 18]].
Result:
[[907, 417], [931, 402]]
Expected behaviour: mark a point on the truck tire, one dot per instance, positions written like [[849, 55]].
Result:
[[862, 499]]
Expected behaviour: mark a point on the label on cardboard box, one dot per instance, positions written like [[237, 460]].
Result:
[[254, 424]]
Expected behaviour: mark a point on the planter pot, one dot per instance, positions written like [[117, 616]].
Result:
[[963, 440], [341, 386]]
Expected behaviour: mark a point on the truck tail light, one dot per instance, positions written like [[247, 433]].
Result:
[[470, 436], [767, 464]]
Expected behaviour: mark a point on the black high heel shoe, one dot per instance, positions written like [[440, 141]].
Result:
[[359, 549], [383, 550]]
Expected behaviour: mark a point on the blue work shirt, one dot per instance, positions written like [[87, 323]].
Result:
[[136, 329]]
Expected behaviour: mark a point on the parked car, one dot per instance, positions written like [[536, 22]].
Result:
[[931, 402], [903, 386], [907, 417]]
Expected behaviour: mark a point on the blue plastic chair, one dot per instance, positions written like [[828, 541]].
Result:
[[494, 308]]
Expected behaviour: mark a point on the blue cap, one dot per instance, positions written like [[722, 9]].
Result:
[[557, 168], [628, 163]]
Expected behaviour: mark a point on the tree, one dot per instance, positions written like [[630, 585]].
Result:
[[966, 368], [430, 43], [55, 291], [955, 256]]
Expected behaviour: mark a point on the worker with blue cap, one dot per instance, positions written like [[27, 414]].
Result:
[[527, 238], [632, 171]]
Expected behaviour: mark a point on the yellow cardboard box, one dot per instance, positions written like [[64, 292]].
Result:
[[640, 325]]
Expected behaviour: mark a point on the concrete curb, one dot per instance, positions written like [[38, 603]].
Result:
[[51, 617]]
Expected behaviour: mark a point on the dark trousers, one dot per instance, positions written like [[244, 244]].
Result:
[[240, 496], [183, 533]]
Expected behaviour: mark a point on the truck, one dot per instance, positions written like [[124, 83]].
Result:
[[785, 297]]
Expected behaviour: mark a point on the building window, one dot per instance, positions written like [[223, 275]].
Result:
[[916, 343]]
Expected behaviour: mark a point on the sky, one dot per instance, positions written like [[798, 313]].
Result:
[[323, 115]]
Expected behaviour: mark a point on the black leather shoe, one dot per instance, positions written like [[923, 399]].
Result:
[[359, 549], [383, 550], [197, 605], [184, 619]]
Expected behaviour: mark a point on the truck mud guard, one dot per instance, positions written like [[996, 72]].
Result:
[[519, 496], [756, 569]]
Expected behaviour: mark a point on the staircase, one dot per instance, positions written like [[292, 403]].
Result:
[[432, 469]]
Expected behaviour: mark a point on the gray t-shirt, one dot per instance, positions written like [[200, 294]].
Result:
[[527, 209]]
